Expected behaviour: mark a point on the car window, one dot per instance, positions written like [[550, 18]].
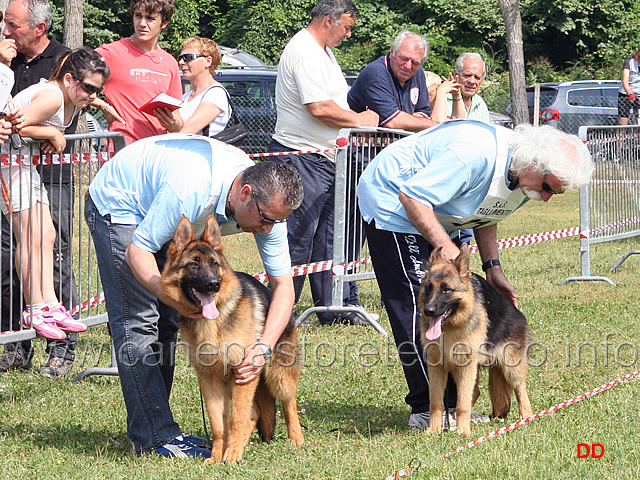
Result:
[[242, 88], [610, 97], [547, 97], [584, 97]]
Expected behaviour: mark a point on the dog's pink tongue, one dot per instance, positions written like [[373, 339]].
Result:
[[435, 328], [209, 309]]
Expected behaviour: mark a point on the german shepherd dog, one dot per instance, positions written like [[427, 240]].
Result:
[[465, 324], [234, 306]]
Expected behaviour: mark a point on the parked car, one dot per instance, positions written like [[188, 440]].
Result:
[[501, 119], [238, 58], [570, 105], [253, 94]]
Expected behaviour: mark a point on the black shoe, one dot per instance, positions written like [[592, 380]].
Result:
[[56, 367], [14, 359], [353, 318]]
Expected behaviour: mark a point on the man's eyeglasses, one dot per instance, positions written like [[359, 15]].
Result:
[[263, 219], [189, 57], [547, 188], [90, 88]]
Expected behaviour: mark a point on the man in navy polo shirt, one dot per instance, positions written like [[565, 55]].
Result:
[[390, 87]]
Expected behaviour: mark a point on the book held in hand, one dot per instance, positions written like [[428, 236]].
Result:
[[161, 101]]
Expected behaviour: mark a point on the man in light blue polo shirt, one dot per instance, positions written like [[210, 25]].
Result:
[[132, 209], [418, 192]]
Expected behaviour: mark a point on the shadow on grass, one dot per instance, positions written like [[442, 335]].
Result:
[[353, 419], [73, 438]]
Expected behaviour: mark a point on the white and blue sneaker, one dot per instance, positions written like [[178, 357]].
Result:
[[180, 448], [197, 441]]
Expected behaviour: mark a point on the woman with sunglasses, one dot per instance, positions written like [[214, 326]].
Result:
[[206, 108], [48, 108]]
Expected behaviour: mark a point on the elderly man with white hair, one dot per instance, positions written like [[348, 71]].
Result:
[[394, 86], [418, 192], [470, 72]]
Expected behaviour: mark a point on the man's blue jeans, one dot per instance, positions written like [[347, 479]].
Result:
[[143, 331]]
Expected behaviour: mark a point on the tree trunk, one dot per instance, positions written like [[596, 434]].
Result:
[[513, 24], [73, 10], [73, 38]]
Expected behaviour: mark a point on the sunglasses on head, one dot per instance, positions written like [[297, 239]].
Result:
[[89, 87], [189, 57]]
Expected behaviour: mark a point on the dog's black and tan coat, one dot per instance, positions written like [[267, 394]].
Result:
[[234, 306], [466, 324]]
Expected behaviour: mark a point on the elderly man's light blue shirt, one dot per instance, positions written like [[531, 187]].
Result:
[[448, 168]]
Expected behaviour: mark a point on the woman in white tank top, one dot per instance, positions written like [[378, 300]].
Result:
[[206, 108], [48, 107]]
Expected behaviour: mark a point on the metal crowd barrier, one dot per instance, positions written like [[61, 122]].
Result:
[[610, 204], [351, 262], [81, 160]]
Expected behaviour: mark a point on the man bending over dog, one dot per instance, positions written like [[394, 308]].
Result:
[[418, 192], [133, 207]]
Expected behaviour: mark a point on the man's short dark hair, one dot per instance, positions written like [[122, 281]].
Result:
[[335, 8], [164, 7], [272, 178]]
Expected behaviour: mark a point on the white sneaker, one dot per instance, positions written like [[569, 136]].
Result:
[[479, 418], [420, 421]]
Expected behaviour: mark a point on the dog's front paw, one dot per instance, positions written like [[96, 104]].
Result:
[[233, 454], [463, 429], [435, 428]]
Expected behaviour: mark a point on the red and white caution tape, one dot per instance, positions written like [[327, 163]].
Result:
[[276, 154], [532, 238], [414, 464], [55, 159], [525, 421]]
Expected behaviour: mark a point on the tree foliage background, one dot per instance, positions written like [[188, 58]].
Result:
[[563, 39]]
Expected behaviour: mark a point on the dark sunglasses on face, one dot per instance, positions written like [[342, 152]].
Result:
[[89, 87], [547, 188], [263, 219], [189, 57]]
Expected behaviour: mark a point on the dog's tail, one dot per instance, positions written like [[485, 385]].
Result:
[[266, 404]]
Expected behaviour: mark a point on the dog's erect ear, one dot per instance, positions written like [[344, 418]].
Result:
[[435, 257], [463, 263], [212, 234], [183, 235]]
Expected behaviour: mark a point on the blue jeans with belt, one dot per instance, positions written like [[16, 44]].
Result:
[[143, 331]]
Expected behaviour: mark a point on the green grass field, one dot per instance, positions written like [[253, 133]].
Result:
[[351, 394]]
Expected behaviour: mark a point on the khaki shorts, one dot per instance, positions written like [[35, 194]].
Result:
[[21, 188]]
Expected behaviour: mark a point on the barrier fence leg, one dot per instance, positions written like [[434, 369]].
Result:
[[624, 257], [112, 370]]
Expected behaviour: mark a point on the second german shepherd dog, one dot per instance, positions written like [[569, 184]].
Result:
[[465, 324], [234, 306]]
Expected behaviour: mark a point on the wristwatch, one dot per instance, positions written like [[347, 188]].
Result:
[[266, 349], [490, 263]]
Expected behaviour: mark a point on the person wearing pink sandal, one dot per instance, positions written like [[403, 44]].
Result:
[[48, 108]]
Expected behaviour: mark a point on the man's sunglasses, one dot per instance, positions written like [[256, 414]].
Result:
[[89, 87], [189, 57], [547, 188], [264, 219]]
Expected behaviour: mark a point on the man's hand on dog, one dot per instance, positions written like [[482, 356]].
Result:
[[251, 366], [497, 278]]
